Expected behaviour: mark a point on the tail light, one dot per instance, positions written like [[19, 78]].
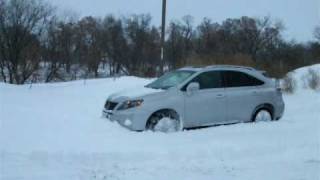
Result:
[[278, 85]]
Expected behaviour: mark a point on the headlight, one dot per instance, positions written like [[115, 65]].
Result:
[[130, 104]]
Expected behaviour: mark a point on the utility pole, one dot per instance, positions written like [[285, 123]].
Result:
[[163, 33]]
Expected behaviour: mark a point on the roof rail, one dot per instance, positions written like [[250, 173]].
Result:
[[230, 66], [186, 67]]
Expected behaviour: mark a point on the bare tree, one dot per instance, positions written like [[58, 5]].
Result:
[[21, 24], [317, 33], [88, 42], [115, 45], [175, 46], [32, 42], [142, 39]]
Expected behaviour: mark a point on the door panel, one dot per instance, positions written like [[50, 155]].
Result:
[[242, 95], [206, 107], [241, 101]]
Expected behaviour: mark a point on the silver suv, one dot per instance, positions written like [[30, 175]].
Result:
[[194, 97]]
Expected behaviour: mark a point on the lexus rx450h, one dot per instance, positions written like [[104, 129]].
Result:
[[194, 97]]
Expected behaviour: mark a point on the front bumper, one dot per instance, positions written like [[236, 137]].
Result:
[[132, 119]]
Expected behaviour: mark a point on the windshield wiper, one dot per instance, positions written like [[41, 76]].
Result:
[[162, 87], [165, 87], [151, 87]]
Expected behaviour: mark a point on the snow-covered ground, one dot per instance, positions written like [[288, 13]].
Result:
[[55, 132]]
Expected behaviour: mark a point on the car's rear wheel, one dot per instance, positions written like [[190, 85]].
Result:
[[262, 115], [164, 121]]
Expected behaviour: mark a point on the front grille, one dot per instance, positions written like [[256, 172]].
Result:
[[110, 105]]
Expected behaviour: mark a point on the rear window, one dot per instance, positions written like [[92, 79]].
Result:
[[265, 74], [240, 79]]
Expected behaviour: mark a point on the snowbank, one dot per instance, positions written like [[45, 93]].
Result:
[[302, 75]]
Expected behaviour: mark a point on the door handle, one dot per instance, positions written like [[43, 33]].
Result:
[[219, 96]]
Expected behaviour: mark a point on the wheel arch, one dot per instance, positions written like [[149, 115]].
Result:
[[162, 110]]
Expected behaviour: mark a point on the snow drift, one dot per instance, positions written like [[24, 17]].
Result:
[[302, 76]]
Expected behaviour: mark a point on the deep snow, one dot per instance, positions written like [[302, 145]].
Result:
[[55, 131]]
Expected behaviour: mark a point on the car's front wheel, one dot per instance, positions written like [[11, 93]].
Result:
[[164, 121]]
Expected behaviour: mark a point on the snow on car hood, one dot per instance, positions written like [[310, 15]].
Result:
[[133, 93]]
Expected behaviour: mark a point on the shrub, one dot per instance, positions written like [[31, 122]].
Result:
[[313, 80], [289, 84]]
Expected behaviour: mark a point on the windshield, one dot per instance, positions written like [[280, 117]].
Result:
[[170, 79]]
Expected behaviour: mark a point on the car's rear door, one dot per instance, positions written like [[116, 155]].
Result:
[[242, 94], [208, 105]]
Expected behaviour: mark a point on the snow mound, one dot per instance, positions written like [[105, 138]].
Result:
[[303, 75]]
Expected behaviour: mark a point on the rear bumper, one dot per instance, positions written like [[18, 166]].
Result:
[[131, 119], [279, 111]]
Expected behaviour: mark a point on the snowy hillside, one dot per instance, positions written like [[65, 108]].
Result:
[[54, 131]]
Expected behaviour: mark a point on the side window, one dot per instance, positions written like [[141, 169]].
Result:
[[209, 80], [239, 79]]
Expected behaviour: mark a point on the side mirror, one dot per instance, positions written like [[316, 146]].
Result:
[[192, 88]]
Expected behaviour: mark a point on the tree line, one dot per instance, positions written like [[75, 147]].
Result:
[[36, 44]]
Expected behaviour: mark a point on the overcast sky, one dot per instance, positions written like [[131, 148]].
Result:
[[299, 16]]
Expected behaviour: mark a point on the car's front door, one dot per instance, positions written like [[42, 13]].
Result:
[[206, 106]]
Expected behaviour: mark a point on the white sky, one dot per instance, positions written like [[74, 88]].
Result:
[[299, 16]]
